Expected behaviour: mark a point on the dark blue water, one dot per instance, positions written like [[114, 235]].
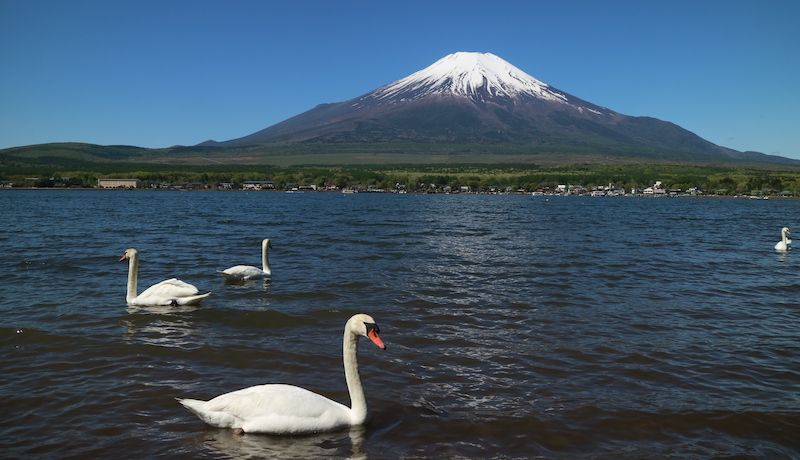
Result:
[[516, 326]]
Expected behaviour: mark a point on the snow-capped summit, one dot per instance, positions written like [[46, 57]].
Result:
[[473, 75]]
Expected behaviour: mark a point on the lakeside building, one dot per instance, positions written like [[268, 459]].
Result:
[[258, 185], [656, 189], [118, 183]]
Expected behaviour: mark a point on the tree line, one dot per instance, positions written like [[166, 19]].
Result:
[[719, 180]]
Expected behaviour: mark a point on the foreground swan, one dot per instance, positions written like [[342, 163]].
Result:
[[287, 409], [248, 272], [168, 292], [783, 244]]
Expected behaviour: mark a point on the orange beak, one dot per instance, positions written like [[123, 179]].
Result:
[[122, 258], [376, 339]]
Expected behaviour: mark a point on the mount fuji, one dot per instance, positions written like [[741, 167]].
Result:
[[479, 98]]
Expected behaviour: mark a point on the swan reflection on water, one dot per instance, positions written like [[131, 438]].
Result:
[[160, 325], [264, 283], [164, 310], [348, 445]]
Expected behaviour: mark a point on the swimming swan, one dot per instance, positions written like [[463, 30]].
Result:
[[248, 272], [784, 244], [168, 292], [287, 409]]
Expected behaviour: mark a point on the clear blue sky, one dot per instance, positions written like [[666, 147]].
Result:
[[161, 73]]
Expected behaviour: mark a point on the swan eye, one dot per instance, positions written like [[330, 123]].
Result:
[[372, 327]]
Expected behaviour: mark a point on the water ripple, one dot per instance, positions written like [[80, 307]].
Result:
[[625, 328]]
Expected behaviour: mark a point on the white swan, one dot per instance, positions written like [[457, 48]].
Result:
[[168, 292], [248, 272], [286, 409], [784, 244]]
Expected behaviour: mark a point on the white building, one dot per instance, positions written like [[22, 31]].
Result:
[[656, 189], [258, 185], [118, 183]]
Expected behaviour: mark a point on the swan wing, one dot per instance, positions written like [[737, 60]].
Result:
[[276, 409], [243, 272], [172, 288]]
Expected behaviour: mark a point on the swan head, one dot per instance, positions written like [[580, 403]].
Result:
[[785, 230], [128, 254], [266, 243], [364, 325]]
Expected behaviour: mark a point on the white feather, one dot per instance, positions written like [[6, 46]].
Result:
[[168, 292]]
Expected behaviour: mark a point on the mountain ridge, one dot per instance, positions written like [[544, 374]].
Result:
[[468, 97], [466, 107]]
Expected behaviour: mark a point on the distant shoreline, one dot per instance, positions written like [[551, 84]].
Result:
[[330, 192], [577, 178]]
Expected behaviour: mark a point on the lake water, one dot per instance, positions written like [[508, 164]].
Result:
[[516, 326]]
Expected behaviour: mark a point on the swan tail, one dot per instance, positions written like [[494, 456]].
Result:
[[213, 418], [192, 300], [231, 277], [194, 405]]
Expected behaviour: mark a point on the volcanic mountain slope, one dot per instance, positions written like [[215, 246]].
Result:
[[480, 98]]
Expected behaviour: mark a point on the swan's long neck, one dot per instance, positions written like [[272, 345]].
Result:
[[783, 236], [133, 276], [358, 404], [265, 259]]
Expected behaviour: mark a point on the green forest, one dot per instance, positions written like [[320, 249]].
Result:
[[526, 177]]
